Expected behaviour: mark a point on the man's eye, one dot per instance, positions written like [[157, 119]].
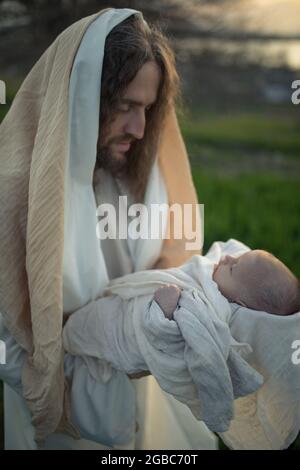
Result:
[[149, 107], [124, 108]]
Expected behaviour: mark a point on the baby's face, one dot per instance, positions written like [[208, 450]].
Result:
[[234, 275], [259, 281]]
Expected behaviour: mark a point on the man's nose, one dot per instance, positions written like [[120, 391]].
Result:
[[135, 125]]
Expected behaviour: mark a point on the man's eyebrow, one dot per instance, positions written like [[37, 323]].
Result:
[[135, 102]]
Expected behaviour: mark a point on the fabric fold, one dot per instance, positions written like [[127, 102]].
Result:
[[193, 357]]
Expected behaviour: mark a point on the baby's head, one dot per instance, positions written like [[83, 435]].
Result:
[[259, 281]]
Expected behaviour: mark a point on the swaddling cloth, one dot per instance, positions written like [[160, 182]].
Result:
[[194, 357]]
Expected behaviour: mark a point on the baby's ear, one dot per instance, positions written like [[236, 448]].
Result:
[[240, 302]]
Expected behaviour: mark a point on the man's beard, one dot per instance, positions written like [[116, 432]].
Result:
[[114, 164]]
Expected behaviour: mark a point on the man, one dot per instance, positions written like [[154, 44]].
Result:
[[57, 164]]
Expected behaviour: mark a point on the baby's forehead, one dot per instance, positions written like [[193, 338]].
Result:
[[250, 257], [261, 263], [255, 255], [257, 260]]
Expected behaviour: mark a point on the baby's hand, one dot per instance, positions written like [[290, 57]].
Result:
[[167, 298]]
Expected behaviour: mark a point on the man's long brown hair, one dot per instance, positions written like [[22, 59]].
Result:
[[128, 47]]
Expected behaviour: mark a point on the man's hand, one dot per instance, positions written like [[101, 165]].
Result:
[[167, 298]]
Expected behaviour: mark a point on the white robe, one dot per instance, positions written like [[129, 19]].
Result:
[[162, 422]]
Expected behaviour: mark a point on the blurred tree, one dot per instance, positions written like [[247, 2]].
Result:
[[51, 17]]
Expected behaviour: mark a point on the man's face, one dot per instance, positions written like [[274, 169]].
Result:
[[129, 121]]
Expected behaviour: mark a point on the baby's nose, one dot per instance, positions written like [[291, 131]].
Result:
[[231, 260], [227, 259], [224, 259]]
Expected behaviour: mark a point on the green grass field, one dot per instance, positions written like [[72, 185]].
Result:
[[261, 210], [259, 206], [274, 131]]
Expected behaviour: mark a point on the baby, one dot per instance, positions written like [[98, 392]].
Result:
[[256, 280]]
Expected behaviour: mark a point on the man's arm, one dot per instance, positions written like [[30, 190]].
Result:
[[103, 329]]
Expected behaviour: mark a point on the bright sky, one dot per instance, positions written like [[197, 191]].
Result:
[[278, 16], [261, 16], [270, 16]]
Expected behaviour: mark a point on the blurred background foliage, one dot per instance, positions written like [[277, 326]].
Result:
[[237, 60]]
